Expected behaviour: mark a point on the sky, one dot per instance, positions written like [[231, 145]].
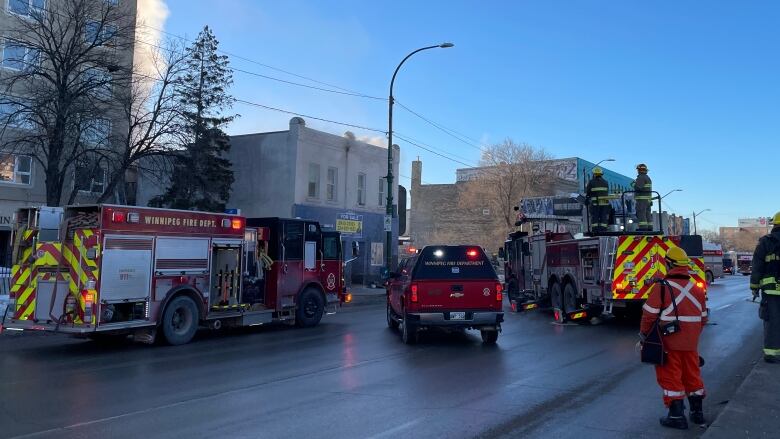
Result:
[[690, 88]]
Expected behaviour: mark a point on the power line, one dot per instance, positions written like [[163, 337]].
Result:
[[268, 107], [396, 133], [243, 58], [439, 127], [434, 152]]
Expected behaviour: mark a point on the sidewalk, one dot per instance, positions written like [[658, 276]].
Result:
[[362, 295], [754, 411]]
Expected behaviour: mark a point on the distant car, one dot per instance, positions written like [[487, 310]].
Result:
[[445, 286]]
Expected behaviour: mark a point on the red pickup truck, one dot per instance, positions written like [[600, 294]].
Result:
[[447, 286]]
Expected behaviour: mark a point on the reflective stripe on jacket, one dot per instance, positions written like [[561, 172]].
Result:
[[765, 273], [643, 188], [598, 190], [691, 309]]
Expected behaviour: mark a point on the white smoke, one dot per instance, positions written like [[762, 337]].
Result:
[[374, 140], [151, 16]]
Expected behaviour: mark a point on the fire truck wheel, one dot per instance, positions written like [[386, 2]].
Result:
[[392, 323], [710, 277], [569, 298], [310, 308], [180, 321], [556, 296]]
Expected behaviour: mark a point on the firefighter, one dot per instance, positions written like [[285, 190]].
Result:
[[643, 194], [680, 375], [765, 276], [597, 192]]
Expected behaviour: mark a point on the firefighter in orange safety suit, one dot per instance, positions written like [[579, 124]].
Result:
[[680, 376]]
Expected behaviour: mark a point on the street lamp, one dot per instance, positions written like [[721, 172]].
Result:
[[660, 200], [671, 192], [389, 209], [585, 171], [695, 231]]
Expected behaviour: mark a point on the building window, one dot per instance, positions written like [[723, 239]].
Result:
[[99, 34], [99, 81], [19, 57], [26, 7], [382, 186], [15, 169], [90, 177], [96, 132], [331, 191], [314, 180], [12, 114], [361, 189]]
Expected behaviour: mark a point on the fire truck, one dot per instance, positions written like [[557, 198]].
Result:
[[590, 275], [110, 271]]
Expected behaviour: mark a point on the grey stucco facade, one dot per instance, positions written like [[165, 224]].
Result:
[[306, 173]]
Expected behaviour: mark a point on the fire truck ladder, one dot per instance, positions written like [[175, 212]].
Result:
[[609, 269]]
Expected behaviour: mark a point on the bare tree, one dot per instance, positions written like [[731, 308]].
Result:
[[152, 116], [508, 172], [65, 63]]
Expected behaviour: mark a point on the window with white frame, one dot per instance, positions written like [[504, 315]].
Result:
[[96, 132], [361, 189], [19, 57], [90, 177], [99, 33], [15, 169], [314, 181], [382, 187], [331, 190], [26, 8]]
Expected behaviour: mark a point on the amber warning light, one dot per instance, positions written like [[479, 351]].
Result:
[[236, 223]]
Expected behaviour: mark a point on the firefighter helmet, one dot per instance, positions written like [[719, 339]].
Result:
[[776, 219], [677, 256], [598, 171], [641, 167]]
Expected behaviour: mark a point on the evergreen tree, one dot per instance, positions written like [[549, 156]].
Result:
[[202, 175]]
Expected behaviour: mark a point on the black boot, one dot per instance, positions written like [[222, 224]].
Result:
[[676, 417], [697, 409]]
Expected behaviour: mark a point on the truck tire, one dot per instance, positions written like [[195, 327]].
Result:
[[180, 321], [710, 277], [489, 337], [408, 331], [570, 298], [556, 296], [310, 308], [392, 323]]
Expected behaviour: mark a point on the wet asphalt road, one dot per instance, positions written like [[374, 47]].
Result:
[[351, 377]]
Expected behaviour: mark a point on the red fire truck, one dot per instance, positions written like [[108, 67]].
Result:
[[118, 270], [593, 274]]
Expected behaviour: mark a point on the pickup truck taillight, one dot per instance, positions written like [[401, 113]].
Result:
[[499, 293], [413, 296]]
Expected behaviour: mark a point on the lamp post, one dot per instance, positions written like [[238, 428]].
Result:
[[695, 231], [389, 207], [585, 171], [667, 194]]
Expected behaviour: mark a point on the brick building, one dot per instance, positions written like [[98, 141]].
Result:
[[447, 214]]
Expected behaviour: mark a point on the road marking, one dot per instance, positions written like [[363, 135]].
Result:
[[395, 430], [724, 307]]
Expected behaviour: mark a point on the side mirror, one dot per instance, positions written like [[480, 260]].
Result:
[[501, 253], [355, 249]]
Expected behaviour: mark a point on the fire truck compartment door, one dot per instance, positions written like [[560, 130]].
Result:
[[127, 269], [45, 295], [181, 255]]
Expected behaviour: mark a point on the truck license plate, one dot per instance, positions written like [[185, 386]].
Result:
[[457, 316]]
